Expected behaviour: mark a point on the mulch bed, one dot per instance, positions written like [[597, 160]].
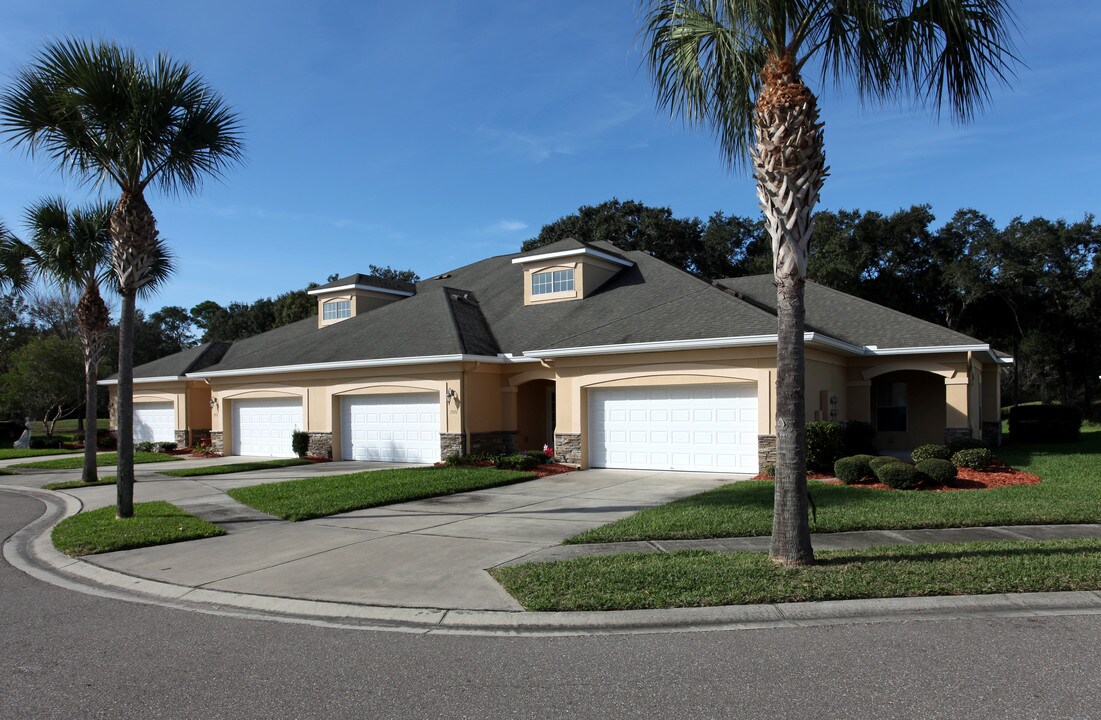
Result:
[[810, 476], [967, 479], [552, 469]]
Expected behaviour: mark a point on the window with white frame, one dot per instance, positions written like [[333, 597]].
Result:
[[336, 310], [553, 281], [890, 407]]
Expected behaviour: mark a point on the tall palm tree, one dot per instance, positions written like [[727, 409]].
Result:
[[71, 248], [734, 66], [100, 112]]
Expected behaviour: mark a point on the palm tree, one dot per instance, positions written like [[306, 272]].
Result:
[[72, 249], [13, 261], [103, 114], [734, 66]]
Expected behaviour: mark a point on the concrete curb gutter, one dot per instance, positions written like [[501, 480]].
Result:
[[31, 550]]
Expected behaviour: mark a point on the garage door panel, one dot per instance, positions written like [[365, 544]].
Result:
[[263, 427], [711, 428], [154, 422], [398, 428]]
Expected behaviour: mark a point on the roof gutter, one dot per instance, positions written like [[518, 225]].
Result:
[[933, 349], [570, 253], [372, 288], [353, 365], [815, 339], [165, 378]]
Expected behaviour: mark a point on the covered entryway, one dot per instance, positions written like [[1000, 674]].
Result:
[[264, 427], [395, 428], [154, 422], [676, 427]]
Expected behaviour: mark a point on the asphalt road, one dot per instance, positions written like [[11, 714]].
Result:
[[68, 655]]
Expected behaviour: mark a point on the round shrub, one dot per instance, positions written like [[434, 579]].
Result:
[[926, 452], [975, 458], [850, 470], [898, 475], [965, 443], [878, 462], [936, 470]]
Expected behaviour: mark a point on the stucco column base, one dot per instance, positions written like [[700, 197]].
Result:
[[216, 444], [567, 448], [766, 452], [321, 445], [956, 433], [992, 433]]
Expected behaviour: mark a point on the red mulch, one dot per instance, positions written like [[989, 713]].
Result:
[[968, 479], [316, 459], [810, 476], [552, 469]]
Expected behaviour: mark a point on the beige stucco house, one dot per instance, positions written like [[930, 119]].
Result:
[[615, 359]]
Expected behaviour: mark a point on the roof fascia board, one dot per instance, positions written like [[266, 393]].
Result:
[[164, 378], [352, 365], [570, 253], [372, 288], [664, 346]]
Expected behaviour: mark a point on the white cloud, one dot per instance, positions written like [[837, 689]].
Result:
[[507, 226]]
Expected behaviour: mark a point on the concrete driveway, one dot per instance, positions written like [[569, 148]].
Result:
[[428, 554]]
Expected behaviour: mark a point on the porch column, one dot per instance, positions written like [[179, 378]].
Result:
[[956, 422]]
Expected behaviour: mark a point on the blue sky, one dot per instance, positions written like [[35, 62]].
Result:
[[431, 134]]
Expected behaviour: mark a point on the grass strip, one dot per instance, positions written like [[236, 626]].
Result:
[[1069, 493], [321, 496], [235, 468], [13, 453], [7, 472], [154, 523], [102, 460], [697, 578], [75, 484]]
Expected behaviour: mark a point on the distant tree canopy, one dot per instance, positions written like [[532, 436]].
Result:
[[1032, 287]]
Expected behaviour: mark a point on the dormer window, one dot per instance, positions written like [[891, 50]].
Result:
[[554, 281], [336, 310]]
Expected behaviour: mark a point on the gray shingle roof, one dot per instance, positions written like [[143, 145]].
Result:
[[185, 361], [372, 280], [572, 244], [856, 321]]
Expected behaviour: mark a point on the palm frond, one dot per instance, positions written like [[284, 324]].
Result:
[[163, 267], [71, 245], [15, 256]]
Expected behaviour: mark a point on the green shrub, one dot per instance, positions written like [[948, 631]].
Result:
[[143, 447], [850, 470], [519, 461], [877, 462], [163, 447], [965, 443], [462, 459], [857, 437], [825, 444], [45, 443], [975, 458], [300, 443], [898, 475], [926, 452], [936, 470], [1044, 423]]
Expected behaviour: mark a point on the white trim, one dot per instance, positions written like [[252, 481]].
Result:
[[570, 253], [372, 288], [352, 364], [166, 378], [933, 349], [701, 344]]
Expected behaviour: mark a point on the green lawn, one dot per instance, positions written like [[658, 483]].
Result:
[[75, 484], [102, 460], [12, 453], [6, 472], [1070, 493], [697, 578], [235, 468], [154, 523], [321, 496]]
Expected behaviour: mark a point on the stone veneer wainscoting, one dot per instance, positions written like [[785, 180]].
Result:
[[567, 448]]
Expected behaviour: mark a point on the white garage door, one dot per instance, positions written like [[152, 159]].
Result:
[[395, 428], [154, 422], [264, 427], [679, 427]]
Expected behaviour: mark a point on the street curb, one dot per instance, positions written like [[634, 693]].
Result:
[[31, 551]]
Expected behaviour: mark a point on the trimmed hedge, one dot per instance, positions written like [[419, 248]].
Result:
[[825, 444], [878, 462], [936, 470], [898, 475], [974, 458], [1044, 423], [851, 470], [965, 443], [927, 452], [519, 461]]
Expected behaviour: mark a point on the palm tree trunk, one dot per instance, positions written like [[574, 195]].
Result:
[[91, 360], [125, 414], [790, 166]]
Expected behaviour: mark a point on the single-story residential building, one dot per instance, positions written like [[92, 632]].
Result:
[[615, 359]]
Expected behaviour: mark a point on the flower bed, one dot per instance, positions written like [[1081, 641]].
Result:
[[967, 479]]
